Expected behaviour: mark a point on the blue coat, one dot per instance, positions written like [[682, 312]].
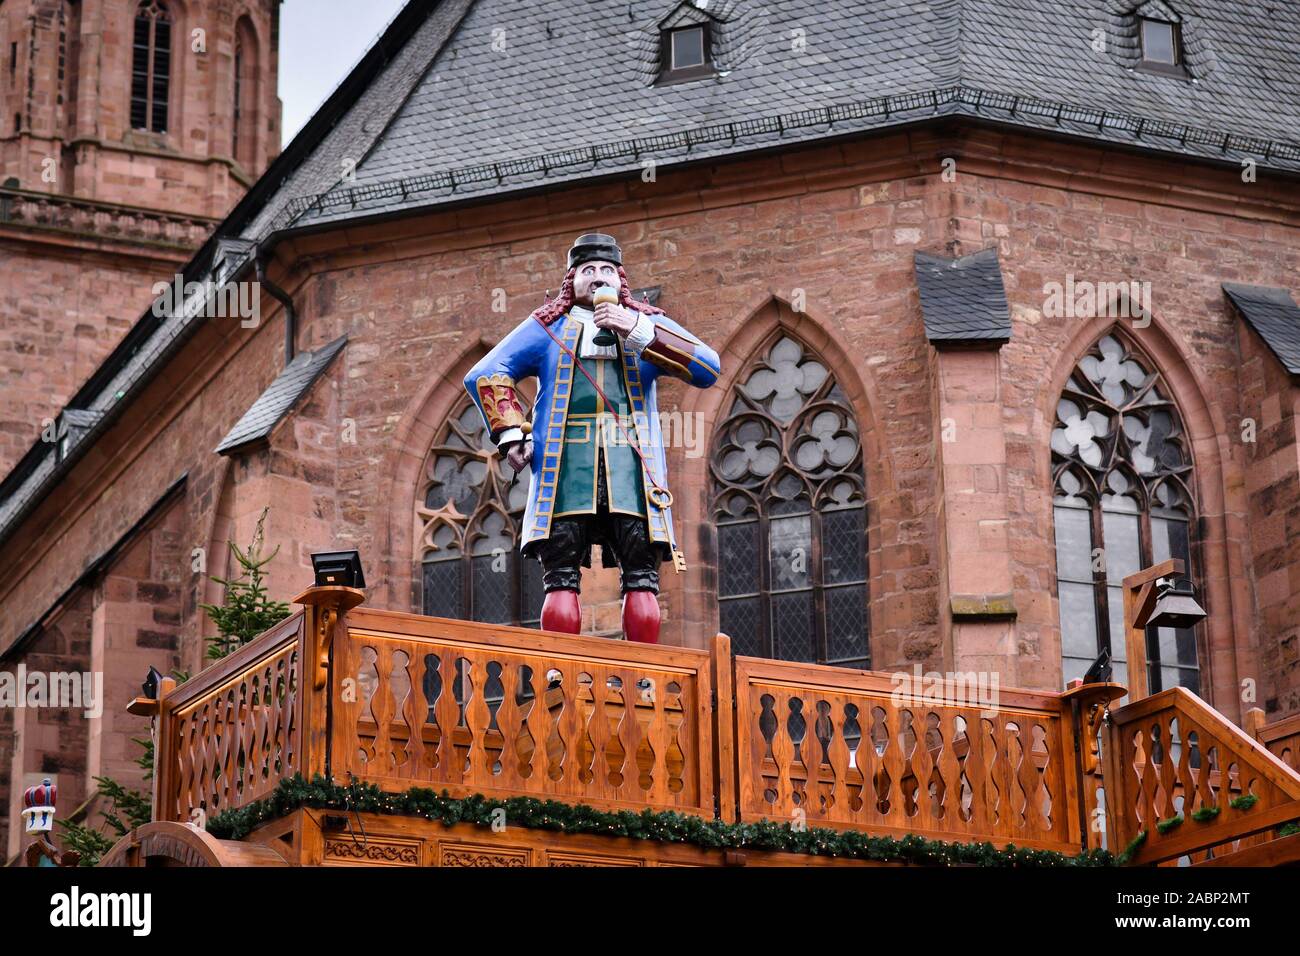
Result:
[[528, 351]]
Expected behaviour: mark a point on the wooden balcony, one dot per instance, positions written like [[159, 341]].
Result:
[[400, 701]]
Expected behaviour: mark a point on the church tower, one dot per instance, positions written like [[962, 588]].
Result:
[[128, 128]]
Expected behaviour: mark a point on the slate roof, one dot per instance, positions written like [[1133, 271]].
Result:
[[1274, 315], [280, 396], [962, 299], [526, 93]]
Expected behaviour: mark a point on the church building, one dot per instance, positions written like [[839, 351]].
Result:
[[1004, 294]]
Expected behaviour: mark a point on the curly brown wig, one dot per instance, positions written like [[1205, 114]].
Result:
[[552, 310]]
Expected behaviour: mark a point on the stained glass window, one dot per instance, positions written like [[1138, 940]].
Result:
[[151, 67], [1122, 471], [788, 503], [471, 511]]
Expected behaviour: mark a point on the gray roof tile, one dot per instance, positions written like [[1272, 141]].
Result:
[[963, 299], [280, 396], [1274, 315], [518, 83]]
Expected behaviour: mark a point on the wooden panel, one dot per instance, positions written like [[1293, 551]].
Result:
[[1171, 754], [1282, 738], [507, 712], [231, 734], [848, 750]]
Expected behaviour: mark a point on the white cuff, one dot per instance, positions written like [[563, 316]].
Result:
[[510, 435], [642, 334]]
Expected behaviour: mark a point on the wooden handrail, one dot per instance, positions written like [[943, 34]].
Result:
[[1146, 783], [229, 734], [602, 722], [807, 738]]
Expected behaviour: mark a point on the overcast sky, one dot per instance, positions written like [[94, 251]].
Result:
[[320, 42]]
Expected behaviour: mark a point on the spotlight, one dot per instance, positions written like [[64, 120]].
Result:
[[339, 569], [1176, 605], [150, 684], [1100, 670]]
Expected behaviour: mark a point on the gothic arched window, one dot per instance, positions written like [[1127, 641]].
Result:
[[151, 67], [471, 510], [789, 503], [1122, 472], [244, 121]]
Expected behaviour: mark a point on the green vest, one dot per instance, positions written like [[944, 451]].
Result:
[[591, 430]]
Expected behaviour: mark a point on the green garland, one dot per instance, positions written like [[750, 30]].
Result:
[[1289, 829], [1205, 814], [1243, 802], [661, 826], [1134, 845], [1164, 826]]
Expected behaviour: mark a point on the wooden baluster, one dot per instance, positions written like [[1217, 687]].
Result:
[[840, 809], [1185, 776], [599, 733], [950, 769], [629, 734], [1167, 777], [288, 745], [659, 793], [1004, 776], [381, 711], [508, 725], [478, 717], [1037, 822], [894, 763], [538, 723], [450, 769], [782, 755], [977, 769]]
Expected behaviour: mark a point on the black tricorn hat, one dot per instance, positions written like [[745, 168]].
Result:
[[595, 245]]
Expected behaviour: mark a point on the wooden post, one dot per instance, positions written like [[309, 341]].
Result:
[[724, 729], [1082, 708], [1139, 600], [1254, 722], [326, 609], [159, 715]]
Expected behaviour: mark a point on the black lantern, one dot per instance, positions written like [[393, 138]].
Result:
[[338, 569], [150, 684], [1176, 605]]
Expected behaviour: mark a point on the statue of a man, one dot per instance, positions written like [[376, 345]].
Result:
[[595, 445]]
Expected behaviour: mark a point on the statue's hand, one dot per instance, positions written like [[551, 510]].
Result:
[[519, 454], [614, 317]]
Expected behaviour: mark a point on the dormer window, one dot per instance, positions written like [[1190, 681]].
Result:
[[685, 53], [1161, 46]]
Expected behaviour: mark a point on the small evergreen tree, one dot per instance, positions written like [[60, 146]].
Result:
[[245, 613], [247, 610]]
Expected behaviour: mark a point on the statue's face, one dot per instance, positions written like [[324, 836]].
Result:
[[590, 276]]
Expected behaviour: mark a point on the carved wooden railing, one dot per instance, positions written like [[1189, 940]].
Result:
[[400, 700], [229, 735], [1281, 738], [476, 708], [846, 749], [1171, 754]]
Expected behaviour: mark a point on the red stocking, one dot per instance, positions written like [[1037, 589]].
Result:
[[641, 616], [561, 612]]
